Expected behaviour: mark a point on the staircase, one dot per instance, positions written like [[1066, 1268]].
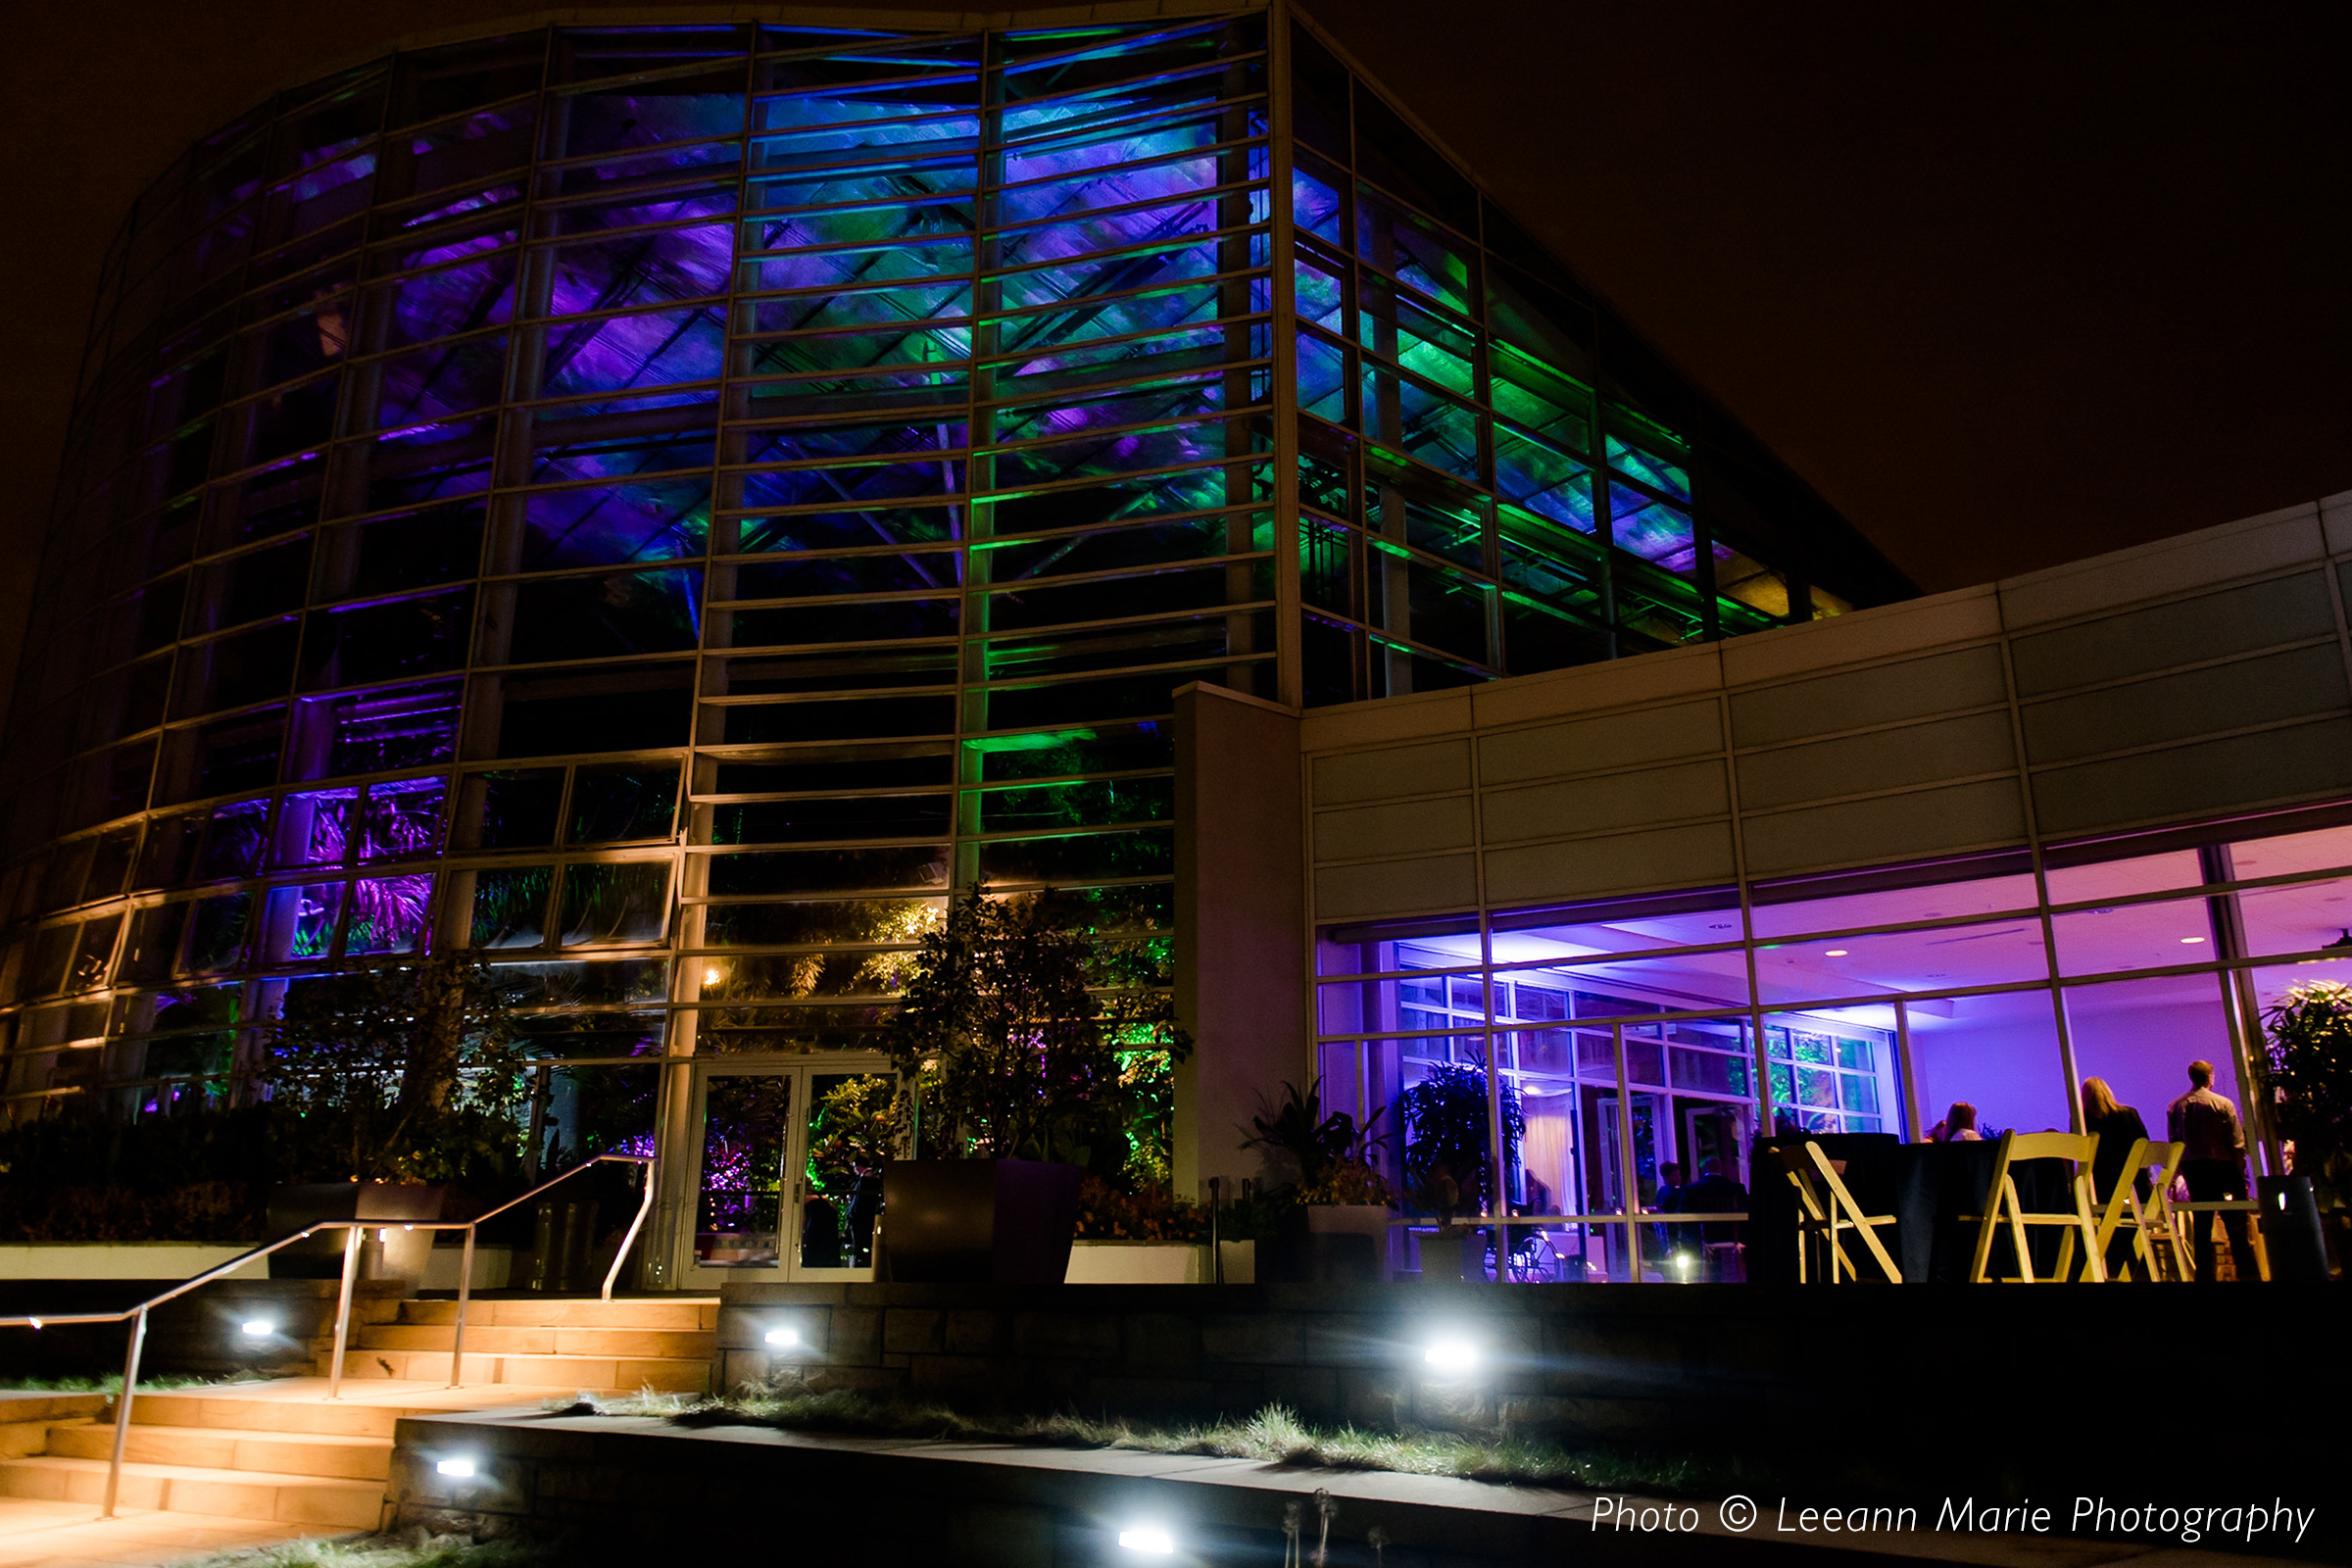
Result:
[[281, 1450], [667, 1345], [284, 1459]]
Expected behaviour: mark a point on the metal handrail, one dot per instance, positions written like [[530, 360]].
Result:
[[139, 1329], [353, 1229], [457, 1348]]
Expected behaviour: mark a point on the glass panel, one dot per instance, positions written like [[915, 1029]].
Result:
[[611, 805], [2299, 917], [850, 1139], [1633, 925], [510, 906], [1928, 959], [388, 914], [2119, 879], [2142, 936], [740, 1203], [2138, 1037], [626, 903], [2289, 853], [1782, 912], [1999, 1053], [519, 809], [1837, 1070], [300, 920]]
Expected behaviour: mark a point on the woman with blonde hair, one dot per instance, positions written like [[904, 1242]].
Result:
[[2118, 1126]]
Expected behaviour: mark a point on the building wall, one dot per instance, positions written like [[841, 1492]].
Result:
[[2198, 677]]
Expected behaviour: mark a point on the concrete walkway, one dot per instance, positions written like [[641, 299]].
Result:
[[34, 1534]]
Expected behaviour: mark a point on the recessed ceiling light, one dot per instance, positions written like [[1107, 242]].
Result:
[[1834, 952], [2192, 939]]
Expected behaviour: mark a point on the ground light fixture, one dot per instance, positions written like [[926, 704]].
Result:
[[460, 1467], [256, 1327], [1453, 1355], [1149, 1540], [786, 1336]]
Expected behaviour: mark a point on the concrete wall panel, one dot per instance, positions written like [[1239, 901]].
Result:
[[1695, 856], [1613, 800], [1584, 745], [1412, 828], [2239, 772], [2246, 548], [1944, 749], [1387, 775], [1890, 631], [1889, 827], [2237, 620], [2299, 684], [1881, 694], [1397, 887]]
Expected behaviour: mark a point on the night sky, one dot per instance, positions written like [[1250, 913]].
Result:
[[2010, 287]]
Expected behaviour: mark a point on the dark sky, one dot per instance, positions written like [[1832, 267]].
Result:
[[2009, 285]]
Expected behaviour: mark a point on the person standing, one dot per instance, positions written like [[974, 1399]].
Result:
[[2118, 1128], [2213, 1162]]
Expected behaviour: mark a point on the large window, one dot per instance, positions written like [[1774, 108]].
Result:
[[1634, 1052]]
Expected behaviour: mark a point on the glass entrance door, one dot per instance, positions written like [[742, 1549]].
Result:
[[789, 1171]]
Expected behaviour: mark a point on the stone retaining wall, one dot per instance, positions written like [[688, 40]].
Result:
[[1885, 1380]]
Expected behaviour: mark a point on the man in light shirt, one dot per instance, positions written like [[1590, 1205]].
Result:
[[2213, 1163]]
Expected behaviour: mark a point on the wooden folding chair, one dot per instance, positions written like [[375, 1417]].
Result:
[[1840, 1212], [2157, 1247], [2002, 1207]]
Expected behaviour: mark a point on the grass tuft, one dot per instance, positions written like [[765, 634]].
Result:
[[112, 1383], [413, 1548], [1273, 1435]]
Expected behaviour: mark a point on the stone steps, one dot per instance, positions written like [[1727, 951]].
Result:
[[632, 1344], [197, 1488], [680, 1315], [318, 1456], [621, 1374]]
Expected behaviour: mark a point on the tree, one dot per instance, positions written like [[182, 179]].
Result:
[[400, 1073], [1010, 1052], [2311, 1071]]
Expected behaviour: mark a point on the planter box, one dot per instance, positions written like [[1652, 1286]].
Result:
[[960, 1221], [1136, 1263], [1325, 1243], [1239, 1260], [394, 1253], [493, 1268]]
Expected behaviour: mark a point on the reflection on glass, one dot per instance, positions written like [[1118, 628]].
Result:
[[850, 1139], [625, 903], [510, 906], [744, 1122]]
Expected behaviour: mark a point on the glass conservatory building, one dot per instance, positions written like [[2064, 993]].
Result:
[[657, 506]]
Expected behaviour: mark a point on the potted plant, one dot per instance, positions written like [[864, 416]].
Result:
[[401, 1081], [1021, 1078], [1338, 1228], [1446, 1139], [2310, 1031]]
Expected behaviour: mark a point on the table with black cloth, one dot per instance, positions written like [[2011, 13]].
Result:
[[1926, 1187]]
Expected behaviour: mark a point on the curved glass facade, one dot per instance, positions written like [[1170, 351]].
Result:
[[657, 506]]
